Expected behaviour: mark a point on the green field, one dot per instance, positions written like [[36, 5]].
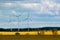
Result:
[[29, 37]]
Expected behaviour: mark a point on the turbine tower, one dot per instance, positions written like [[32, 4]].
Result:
[[28, 20]]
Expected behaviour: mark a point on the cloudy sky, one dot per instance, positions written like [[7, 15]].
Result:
[[36, 13]]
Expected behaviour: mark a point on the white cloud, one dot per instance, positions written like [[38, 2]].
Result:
[[8, 4], [40, 7], [14, 12], [44, 7], [48, 3], [24, 25], [58, 7], [29, 5], [45, 11]]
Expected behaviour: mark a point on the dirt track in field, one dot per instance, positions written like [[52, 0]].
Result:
[[28, 37]]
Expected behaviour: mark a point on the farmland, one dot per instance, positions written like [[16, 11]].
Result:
[[29, 37]]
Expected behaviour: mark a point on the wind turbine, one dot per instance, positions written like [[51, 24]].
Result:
[[28, 20]]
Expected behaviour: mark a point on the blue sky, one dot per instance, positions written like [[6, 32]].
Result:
[[41, 13]]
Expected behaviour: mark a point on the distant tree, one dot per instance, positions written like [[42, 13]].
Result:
[[54, 31]]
